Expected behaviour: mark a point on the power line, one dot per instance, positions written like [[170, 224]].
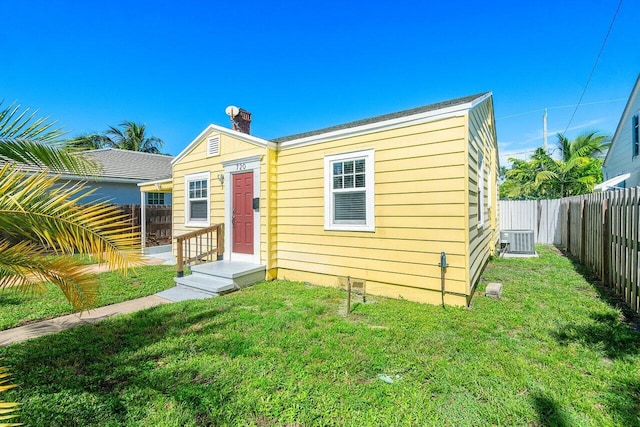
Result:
[[604, 42], [539, 110]]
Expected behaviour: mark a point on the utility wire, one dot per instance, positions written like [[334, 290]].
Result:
[[539, 110], [595, 64]]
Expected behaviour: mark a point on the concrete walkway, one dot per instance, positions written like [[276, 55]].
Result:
[[51, 326]]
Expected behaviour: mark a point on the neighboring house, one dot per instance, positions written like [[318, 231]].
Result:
[[621, 167], [377, 200], [120, 172]]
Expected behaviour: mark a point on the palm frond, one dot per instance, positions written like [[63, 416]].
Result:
[[24, 125], [41, 155], [7, 409], [26, 265], [32, 208], [31, 140], [546, 175]]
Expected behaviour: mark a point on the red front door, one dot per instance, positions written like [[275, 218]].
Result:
[[242, 213]]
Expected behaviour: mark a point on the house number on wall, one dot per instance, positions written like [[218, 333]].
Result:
[[241, 166]]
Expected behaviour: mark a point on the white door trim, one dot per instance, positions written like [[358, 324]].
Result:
[[245, 164]]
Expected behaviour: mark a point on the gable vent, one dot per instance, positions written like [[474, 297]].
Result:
[[213, 146]]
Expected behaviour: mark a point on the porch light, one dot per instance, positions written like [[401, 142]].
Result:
[[221, 178]]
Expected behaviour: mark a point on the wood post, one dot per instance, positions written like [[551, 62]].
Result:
[[220, 241], [606, 233], [583, 233], [633, 272], [348, 295], [568, 226], [180, 259]]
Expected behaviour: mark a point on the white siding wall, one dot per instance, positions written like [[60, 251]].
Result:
[[619, 159]]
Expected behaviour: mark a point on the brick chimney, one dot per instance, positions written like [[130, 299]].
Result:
[[240, 119]]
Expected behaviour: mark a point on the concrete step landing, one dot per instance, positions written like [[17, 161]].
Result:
[[213, 279]]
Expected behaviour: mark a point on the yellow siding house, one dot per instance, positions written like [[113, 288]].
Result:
[[379, 200]]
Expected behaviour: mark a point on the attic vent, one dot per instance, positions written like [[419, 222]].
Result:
[[213, 146], [518, 241]]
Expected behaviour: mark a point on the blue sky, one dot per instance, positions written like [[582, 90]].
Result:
[[304, 65]]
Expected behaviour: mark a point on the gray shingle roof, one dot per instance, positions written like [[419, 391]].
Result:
[[404, 113], [116, 163], [123, 165]]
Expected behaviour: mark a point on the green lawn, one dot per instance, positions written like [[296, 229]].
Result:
[[18, 308], [551, 352]]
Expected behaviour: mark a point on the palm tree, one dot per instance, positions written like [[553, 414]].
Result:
[[585, 145], [576, 172], [89, 141], [40, 219], [133, 137]]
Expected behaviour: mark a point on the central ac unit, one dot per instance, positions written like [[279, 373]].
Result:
[[518, 241]]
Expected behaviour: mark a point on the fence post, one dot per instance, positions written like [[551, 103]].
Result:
[[568, 226], [606, 233], [583, 227], [180, 259]]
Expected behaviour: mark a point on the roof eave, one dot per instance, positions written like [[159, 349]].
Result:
[[101, 179], [424, 117], [157, 181]]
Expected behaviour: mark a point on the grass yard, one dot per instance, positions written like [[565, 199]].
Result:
[[551, 352], [18, 308]]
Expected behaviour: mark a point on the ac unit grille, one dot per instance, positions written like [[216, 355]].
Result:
[[518, 241]]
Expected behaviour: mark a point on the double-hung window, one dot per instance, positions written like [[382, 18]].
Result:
[[348, 191], [635, 135], [197, 199]]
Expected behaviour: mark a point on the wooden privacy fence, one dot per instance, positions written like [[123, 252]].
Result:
[[602, 230], [158, 222]]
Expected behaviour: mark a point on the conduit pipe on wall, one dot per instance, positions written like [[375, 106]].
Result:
[[443, 268]]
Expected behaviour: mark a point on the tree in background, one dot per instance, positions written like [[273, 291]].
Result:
[[128, 135], [132, 136], [89, 141], [576, 172]]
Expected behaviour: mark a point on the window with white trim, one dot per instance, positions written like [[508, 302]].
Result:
[[480, 189], [197, 199], [155, 198], [635, 135], [348, 190]]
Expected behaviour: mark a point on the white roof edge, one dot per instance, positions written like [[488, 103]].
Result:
[[90, 178], [157, 181], [418, 118], [481, 99], [634, 91], [126, 151], [611, 182], [229, 132]]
